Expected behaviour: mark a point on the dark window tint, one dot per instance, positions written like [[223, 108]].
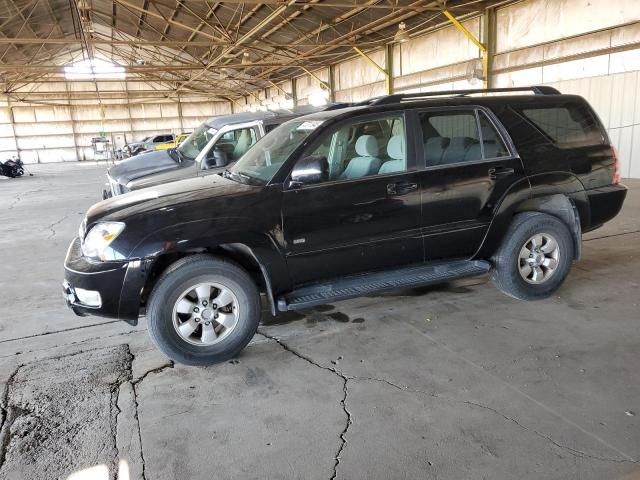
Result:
[[569, 124], [493, 146], [268, 128], [450, 137]]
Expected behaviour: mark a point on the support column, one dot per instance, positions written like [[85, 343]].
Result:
[[294, 92], [73, 123], [13, 126], [388, 63], [385, 71], [489, 41], [180, 114], [481, 46], [332, 83]]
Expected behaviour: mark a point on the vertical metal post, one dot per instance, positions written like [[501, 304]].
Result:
[[180, 114], [489, 41], [294, 93], [481, 46], [13, 127], [332, 83], [388, 63], [385, 71]]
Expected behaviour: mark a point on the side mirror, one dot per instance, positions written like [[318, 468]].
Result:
[[309, 170], [214, 159]]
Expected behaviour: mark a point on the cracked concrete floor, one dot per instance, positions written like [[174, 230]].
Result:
[[453, 382]]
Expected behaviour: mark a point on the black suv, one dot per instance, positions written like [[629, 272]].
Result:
[[401, 191]]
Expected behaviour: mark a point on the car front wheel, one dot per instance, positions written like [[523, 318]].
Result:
[[203, 310], [534, 258]]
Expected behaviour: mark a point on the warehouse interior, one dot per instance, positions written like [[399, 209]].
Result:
[[453, 381], [274, 55]]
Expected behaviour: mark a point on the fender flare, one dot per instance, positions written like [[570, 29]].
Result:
[[560, 194]]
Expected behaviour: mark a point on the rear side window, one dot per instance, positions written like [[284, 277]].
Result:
[[566, 125], [452, 137]]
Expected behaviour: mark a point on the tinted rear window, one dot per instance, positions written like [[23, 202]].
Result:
[[566, 125]]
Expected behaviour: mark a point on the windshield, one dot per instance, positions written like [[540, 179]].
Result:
[[195, 142], [260, 163]]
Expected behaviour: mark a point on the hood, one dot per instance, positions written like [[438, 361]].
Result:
[[169, 194], [186, 169], [141, 165]]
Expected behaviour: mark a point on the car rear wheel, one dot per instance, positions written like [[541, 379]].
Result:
[[534, 258], [203, 310]]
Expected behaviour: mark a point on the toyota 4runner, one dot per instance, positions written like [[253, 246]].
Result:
[[400, 191]]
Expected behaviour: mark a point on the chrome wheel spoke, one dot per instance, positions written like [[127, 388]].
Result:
[[205, 321], [537, 275], [209, 335], [525, 270], [203, 292], [188, 327], [550, 246], [185, 306], [539, 258], [224, 298], [228, 320]]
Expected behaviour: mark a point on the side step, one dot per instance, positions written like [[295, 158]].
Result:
[[368, 283]]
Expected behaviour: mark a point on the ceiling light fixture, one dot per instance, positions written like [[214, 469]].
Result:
[[401, 36]]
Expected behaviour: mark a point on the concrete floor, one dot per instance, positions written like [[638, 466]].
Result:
[[455, 382]]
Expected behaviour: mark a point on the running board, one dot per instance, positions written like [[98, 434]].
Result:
[[368, 283]]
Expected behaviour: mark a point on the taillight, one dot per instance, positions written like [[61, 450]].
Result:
[[616, 167]]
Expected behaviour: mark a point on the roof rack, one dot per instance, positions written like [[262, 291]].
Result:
[[398, 97]]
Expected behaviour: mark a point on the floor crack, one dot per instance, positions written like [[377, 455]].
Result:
[[343, 402], [134, 385], [8, 417], [572, 451], [52, 230]]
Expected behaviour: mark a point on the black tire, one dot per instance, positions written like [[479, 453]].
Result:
[[180, 276], [506, 274]]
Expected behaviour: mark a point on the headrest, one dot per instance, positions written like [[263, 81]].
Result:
[[367, 146], [460, 142], [395, 147], [437, 142]]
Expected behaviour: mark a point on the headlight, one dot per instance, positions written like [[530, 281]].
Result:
[[96, 243]]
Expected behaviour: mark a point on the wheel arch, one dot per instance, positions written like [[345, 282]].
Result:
[[559, 194], [251, 259]]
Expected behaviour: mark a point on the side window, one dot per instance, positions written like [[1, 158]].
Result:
[[566, 125], [365, 148], [236, 143], [268, 128], [450, 137], [493, 145]]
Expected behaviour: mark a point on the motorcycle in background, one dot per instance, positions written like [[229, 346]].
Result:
[[13, 168]]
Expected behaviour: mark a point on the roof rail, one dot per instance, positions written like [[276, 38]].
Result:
[[398, 97]]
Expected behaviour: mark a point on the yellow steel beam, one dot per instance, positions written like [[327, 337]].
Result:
[[386, 73], [323, 84], [480, 45]]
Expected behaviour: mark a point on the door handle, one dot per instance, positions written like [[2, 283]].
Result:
[[401, 188], [497, 172]]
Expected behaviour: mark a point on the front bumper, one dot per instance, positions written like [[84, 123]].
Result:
[[118, 284]]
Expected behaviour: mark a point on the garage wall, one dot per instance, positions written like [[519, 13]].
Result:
[[589, 48], [586, 47], [61, 131]]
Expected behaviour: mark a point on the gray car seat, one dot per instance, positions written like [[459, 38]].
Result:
[[395, 150], [367, 163], [457, 150], [244, 143], [434, 149]]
